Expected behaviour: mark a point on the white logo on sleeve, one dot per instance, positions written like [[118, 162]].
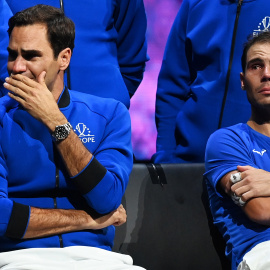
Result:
[[84, 133], [258, 152]]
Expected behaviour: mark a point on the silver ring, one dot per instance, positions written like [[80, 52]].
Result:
[[241, 202], [235, 177]]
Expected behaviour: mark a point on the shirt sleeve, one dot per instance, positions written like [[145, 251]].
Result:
[[130, 23], [104, 180], [5, 14], [14, 216], [226, 150], [174, 81]]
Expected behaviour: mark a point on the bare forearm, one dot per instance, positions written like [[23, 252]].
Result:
[[72, 150], [46, 222], [258, 210], [74, 154]]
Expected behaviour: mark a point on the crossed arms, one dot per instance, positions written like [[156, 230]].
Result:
[[40, 103], [254, 189]]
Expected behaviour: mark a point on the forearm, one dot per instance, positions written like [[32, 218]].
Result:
[[46, 222], [258, 210], [75, 155], [72, 150]]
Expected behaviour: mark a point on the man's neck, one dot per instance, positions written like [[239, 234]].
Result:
[[262, 127]]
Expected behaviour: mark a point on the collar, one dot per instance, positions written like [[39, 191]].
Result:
[[64, 98]]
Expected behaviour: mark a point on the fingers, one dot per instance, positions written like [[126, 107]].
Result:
[[20, 80], [18, 85], [121, 216], [41, 77], [244, 168]]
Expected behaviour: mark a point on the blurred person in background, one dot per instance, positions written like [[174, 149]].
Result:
[[198, 86], [111, 49]]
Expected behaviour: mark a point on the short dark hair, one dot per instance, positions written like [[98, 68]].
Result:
[[262, 37], [60, 29]]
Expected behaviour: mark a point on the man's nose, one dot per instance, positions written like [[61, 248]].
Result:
[[19, 65]]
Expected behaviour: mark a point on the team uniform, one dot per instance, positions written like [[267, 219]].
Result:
[[5, 14], [32, 172], [110, 45], [193, 76], [227, 148]]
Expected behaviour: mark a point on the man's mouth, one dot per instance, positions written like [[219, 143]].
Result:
[[265, 90]]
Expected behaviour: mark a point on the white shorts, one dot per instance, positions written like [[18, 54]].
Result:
[[68, 258], [258, 258]]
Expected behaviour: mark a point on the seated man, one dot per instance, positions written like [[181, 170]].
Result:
[[238, 165], [65, 156]]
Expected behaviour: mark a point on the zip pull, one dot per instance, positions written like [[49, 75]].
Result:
[[239, 6]]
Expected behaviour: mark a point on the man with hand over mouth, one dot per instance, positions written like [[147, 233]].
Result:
[[65, 156]]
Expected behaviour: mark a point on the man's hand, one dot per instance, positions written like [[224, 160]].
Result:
[[116, 218], [35, 98], [255, 183]]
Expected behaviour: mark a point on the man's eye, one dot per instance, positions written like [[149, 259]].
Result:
[[257, 66], [29, 57], [12, 56]]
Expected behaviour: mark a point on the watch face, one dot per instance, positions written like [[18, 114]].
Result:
[[61, 133]]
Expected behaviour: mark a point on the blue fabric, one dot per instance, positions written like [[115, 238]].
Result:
[[227, 148], [27, 166], [5, 14], [110, 45], [192, 79]]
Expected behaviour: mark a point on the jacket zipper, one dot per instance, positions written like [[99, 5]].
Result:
[[230, 62], [56, 189]]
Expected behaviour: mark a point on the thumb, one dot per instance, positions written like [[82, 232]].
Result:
[[41, 77], [244, 168]]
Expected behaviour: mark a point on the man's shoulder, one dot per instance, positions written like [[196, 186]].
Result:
[[231, 131], [229, 139], [100, 105]]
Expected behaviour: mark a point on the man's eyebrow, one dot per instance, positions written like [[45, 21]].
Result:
[[254, 60], [10, 50], [34, 52]]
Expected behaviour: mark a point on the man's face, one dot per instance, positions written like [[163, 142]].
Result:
[[256, 79], [30, 53]]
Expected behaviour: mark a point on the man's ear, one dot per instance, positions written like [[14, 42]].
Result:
[[242, 79], [64, 58]]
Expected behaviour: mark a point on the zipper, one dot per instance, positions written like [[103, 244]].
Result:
[[230, 62], [56, 189]]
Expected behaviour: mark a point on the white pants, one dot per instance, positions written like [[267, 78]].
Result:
[[69, 258], [258, 258]]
